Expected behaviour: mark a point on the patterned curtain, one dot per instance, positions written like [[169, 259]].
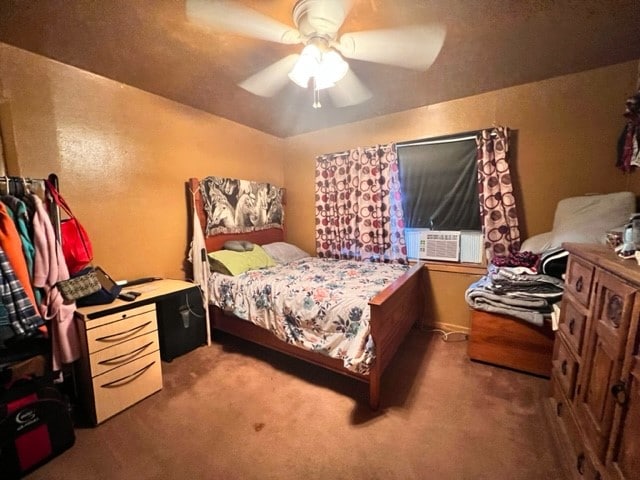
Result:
[[497, 202], [358, 205]]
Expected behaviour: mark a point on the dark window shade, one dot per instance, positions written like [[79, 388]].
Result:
[[439, 185]]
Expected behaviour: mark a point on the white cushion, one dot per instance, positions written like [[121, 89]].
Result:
[[584, 219], [538, 243]]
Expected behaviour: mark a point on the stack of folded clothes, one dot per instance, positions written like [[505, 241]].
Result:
[[514, 287]]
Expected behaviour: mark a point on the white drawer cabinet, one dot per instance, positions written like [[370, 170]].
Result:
[[120, 364]]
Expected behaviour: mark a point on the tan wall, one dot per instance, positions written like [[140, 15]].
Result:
[[122, 156], [566, 132]]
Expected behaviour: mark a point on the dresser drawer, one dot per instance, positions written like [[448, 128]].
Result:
[[114, 317], [565, 368], [580, 463], [613, 310], [123, 352], [115, 332], [121, 387], [564, 412], [573, 320], [579, 280]]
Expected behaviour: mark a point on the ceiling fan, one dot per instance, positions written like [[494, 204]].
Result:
[[320, 64]]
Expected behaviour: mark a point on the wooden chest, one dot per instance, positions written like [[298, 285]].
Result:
[[510, 342]]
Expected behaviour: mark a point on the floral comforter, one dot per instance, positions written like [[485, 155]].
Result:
[[316, 304]]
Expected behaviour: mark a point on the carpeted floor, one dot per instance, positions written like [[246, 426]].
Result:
[[237, 411]]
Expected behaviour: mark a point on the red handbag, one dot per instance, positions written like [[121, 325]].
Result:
[[76, 245]]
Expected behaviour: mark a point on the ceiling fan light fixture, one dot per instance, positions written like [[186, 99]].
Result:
[[325, 67], [332, 69], [306, 66], [321, 64]]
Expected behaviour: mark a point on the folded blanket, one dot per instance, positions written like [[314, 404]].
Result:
[[529, 297], [486, 304]]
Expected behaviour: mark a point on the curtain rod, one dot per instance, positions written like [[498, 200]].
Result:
[[464, 136], [435, 142], [19, 178]]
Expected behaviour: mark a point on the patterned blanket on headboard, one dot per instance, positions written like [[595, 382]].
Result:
[[236, 206]]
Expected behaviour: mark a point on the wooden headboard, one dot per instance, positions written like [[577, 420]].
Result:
[[215, 242]]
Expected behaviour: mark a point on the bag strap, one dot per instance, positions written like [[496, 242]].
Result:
[[58, 200]]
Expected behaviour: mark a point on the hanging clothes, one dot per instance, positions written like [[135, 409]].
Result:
[[11, 244], [16, 310], [19, 213], [200, 263], [49, 269], [31, 263], [629, 141]]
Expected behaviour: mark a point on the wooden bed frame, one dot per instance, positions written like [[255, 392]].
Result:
[[393, 311]]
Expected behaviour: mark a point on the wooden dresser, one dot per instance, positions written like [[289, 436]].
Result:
[[595, 381]]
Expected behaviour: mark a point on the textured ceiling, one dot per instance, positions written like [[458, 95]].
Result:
[[490, 44]]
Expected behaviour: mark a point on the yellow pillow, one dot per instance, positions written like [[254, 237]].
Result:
[[234, 263]]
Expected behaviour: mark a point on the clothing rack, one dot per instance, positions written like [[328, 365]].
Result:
[[35, 348], [13, 185]]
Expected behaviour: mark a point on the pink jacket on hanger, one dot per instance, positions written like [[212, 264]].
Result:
[[50, 268]]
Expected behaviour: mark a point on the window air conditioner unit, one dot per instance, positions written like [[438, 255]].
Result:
[[444, 245], [471, 247]]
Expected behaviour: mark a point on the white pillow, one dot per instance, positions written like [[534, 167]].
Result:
[[587, 219], [538, 243], [283, 252]]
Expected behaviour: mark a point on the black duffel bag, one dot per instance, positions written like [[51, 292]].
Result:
[[35, 426]]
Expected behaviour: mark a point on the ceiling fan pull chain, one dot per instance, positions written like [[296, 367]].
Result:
[[316, 95]]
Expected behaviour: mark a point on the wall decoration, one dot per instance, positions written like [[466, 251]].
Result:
[[236, 206]]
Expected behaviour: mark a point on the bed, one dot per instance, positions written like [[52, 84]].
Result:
[[392, 311]]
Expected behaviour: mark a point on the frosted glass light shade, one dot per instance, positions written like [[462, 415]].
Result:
[[333, 66], [327, 68], [306, 66]]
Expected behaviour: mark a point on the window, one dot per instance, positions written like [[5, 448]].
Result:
[[438, 180]]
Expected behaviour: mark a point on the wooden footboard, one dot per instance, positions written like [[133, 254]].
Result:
[[393, 312]]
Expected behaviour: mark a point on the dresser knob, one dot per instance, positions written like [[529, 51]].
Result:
[[579, 284], [572, 325], [580, 464], [619, 392], [563, 367], [615, 306]]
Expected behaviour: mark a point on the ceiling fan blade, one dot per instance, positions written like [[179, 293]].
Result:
[[235, 18], [270, 80], [415, 47], [349, 91]]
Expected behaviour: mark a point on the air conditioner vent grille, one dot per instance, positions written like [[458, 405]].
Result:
[[445, 245], [440, 245]]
